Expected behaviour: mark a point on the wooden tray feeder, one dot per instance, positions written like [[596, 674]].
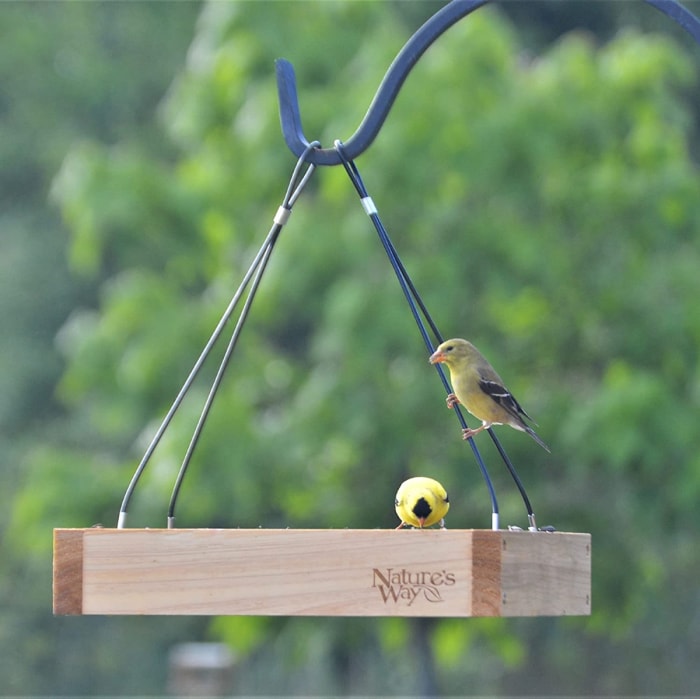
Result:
[[331, 572], [321, 572]]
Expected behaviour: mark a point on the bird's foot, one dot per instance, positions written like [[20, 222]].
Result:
[[452, 400], [467, 433], [401, 526]]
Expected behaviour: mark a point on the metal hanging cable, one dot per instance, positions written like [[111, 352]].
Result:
[[300, 177], [417, 308], [293, 192]]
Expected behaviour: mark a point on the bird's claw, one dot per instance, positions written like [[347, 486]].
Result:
[[452, 400], [467, 433]]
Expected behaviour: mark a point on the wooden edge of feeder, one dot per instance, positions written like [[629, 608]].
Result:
[[68, 571], [321, 572]]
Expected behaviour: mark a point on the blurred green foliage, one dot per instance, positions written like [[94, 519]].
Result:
[[71, 74], [546, 207]]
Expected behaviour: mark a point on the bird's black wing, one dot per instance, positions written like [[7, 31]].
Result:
[[498, 392], [503, 397]]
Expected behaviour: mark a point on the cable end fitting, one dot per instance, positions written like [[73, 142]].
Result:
[[282, 216], [369, 206]]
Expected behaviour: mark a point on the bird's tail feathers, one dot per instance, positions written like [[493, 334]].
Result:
[[523, 413], [536, 437]]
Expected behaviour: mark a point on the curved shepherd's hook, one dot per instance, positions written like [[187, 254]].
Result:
[[398, 71]]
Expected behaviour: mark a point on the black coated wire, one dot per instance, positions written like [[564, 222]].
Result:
[[188, 383], [296, 185], [417, 307], [515, 477], [217, 382]]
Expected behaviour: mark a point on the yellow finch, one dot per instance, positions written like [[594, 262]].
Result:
[[479, 389], [421, 502]]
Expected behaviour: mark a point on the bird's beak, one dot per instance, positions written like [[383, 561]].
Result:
[[422, 521], [436, 357]]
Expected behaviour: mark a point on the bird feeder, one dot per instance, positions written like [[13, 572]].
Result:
[[321, 572], [329, 572]]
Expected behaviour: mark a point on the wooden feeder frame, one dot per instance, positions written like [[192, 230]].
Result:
[[321, 572]]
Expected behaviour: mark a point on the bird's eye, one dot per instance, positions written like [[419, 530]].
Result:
[[450, 348]]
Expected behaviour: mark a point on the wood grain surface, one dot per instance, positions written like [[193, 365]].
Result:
[[321, 572]]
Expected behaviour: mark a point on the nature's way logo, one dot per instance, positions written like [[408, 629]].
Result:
[[402, 585]]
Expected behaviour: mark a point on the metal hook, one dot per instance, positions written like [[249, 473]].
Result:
[[397, 73]]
